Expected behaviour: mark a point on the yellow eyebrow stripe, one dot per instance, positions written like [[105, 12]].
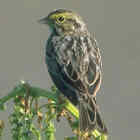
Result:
[[55, 16]]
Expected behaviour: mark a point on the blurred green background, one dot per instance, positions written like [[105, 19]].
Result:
[[116, 24]]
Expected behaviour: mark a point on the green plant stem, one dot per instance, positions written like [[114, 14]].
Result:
[[1, 128], [34, 91], [38, 92], [36, 132], [50, 131]]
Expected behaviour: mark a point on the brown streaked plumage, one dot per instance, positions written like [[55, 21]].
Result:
[[74, 63]]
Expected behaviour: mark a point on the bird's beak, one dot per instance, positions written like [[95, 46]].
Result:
[[43, 20]]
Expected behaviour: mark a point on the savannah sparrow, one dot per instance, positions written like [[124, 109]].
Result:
[[74, 64]]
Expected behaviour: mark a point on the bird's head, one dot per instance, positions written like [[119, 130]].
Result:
[[64, 22]]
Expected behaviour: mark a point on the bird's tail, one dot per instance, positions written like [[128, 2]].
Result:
[[90, 117]]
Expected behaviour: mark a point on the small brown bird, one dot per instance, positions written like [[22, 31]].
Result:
[[74, 64]]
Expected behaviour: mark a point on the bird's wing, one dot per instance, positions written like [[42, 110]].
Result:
[[94, 73], [79, 59]]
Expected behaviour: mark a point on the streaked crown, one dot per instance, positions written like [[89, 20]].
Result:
[[64, 21]]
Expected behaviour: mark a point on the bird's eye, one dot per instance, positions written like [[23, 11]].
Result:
[[61, 19]]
